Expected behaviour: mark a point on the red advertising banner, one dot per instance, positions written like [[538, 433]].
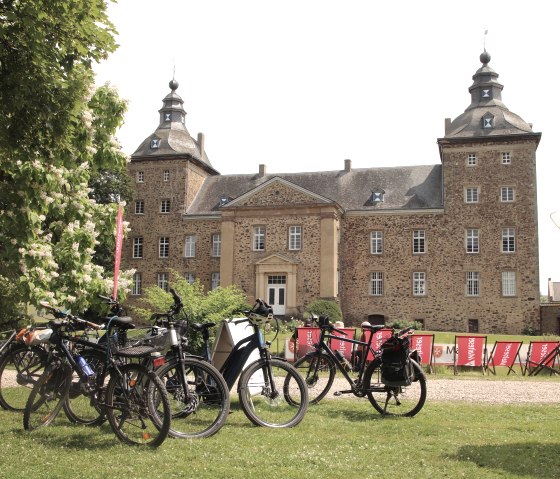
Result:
[[470, 351], [118, 250], [379, 337], [505, 353], [306, 337], [344, 347], [538, 352], [424, 344]]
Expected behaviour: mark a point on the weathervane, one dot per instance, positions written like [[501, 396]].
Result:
[[485, 33]]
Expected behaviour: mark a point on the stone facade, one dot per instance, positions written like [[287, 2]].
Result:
[[452, 245]]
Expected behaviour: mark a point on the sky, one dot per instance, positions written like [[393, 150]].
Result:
[[302, 85]]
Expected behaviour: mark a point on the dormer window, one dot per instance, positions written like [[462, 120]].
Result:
[[224, 200], [486, 94], [167, 117], [154, 144], [488, 121], [377, 196]]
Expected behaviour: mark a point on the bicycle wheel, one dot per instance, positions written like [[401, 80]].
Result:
[[47, 397], [395, 400], [200, 410], [81, 406], [134, 395], [273, 394], [20, 368], [318, 371]]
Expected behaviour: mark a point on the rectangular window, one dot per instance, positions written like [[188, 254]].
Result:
[[190, 277], [190, 246], [471, 159], [258, 238], [418, 241], [376, 242], [509, 287], [294, 241], [419, 283], [506, 158], [472, 240], [138, 247], [163, 281], [140, 177], [473, 326], [376, 283], [508, 240], [471, 194], [216, 245], [165, 206], [139, 207], [215, 280], [507, 194], [164, 247], [473, 283], [136, 284], [166, 175]]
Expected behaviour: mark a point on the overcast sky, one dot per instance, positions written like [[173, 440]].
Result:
[[302, 85]]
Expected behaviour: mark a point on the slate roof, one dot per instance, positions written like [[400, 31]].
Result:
[[406, 188]]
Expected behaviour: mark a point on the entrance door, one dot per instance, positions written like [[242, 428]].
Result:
[[277, 294]]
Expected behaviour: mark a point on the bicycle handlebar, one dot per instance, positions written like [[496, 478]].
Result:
[[61, 314]]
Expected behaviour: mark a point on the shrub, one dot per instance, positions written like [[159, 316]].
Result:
[[401, 324], [325, 307]]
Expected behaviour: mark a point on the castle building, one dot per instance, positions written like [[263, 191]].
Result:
[[452, 245]]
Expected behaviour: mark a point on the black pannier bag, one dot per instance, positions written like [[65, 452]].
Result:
[[396, 367]]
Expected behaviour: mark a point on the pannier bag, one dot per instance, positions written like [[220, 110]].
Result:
[[396, 367]]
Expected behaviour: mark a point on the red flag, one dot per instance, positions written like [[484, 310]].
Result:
[[118, 249]]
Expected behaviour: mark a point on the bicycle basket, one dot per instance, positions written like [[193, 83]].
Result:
[[396, 368]]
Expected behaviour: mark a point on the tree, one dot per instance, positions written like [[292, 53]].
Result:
[[56, 134]]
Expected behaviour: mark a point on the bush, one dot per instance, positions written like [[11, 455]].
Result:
[[325, 307], [402, 324]]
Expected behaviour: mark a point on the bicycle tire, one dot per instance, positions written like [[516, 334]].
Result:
[[85, 408], [318, 370], [284, 407], [137, 406], [203, 409], [395, 400], [47, 397], [20, 368]]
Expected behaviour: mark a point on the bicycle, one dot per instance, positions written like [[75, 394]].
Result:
[[271, 392], [393, 381], [133, 399], [197, 392], [22, 360]]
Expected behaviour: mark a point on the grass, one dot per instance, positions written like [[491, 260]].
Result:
[[338, 438]]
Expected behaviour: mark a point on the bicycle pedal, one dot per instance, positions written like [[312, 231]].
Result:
[[337, 393]]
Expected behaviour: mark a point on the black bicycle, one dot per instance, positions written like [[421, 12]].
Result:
[[271, 391], [132, 397], [393, 381]]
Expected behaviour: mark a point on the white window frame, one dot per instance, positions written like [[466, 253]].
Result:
[[419, 283], [216, 245], [472, 194], [139, 207], [189, 250], [215, 281], [509, 284], [138, 247], [376, 242], [259, 238], [508, 240], [506, 158], [294, 237], [164, 247], [376, 283], [139, 177], [165, 206], [507, 194], [190, 277], [163, 281], [166, 175], [136, 284], [472, 240], [472, 283], [471, 159], [419, 241]]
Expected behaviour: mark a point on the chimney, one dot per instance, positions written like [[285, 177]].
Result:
[[200, 140], [447, 125], [347, 165], [262, 170]]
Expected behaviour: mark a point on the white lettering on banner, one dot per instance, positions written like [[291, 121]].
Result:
[[470, 351], [309, 338], [419, 344], [544, 350], [505, 357]]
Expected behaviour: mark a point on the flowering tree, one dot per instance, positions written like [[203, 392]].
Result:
[[56, 134]]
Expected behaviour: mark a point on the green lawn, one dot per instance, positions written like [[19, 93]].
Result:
[[337, 439]]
